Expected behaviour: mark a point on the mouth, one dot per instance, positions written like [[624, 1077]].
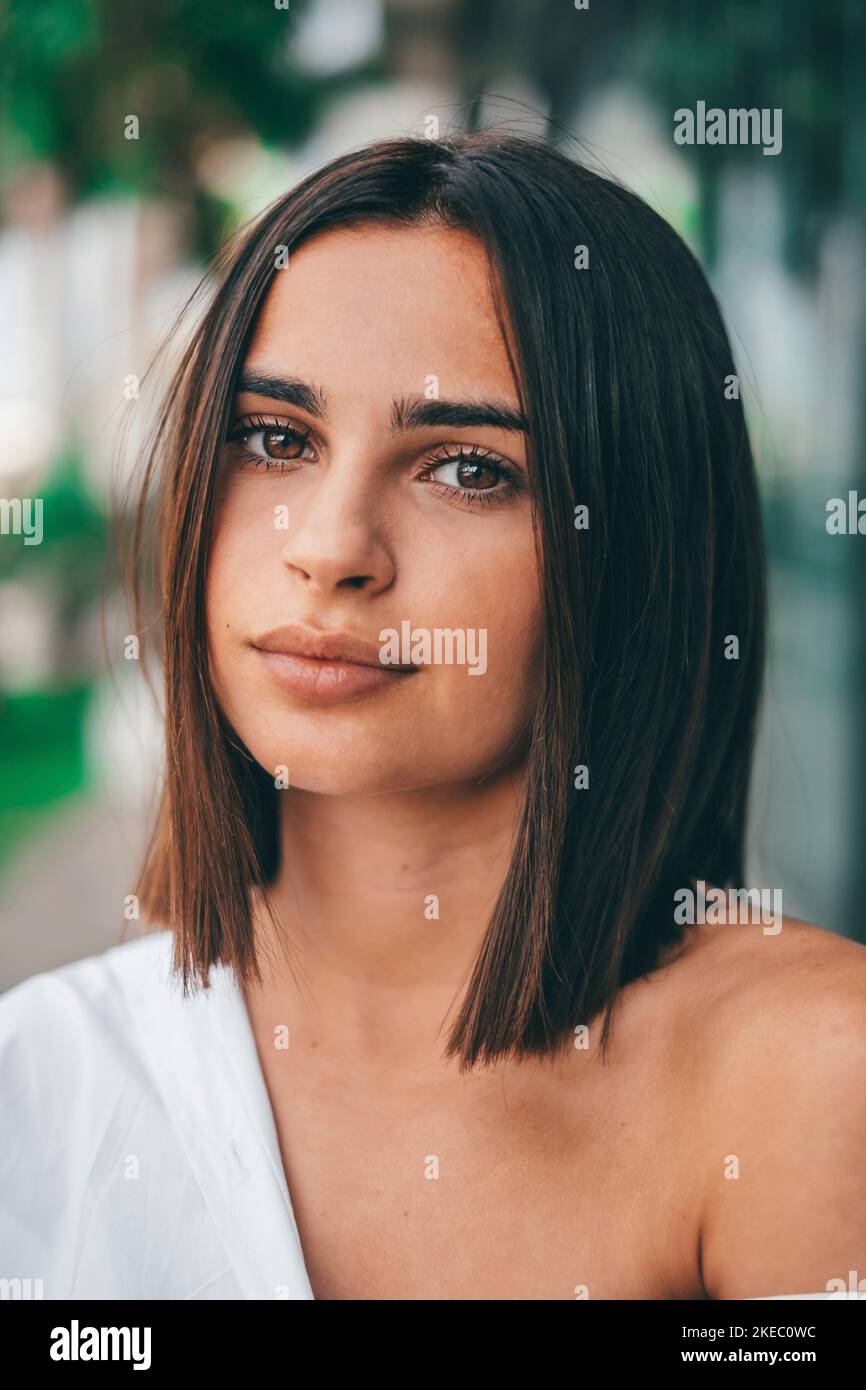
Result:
[[324, 667]]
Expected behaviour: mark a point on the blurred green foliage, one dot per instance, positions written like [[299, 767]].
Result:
[[72, 554], [42, 759], [41, 755], [75, 69], [72, 71]]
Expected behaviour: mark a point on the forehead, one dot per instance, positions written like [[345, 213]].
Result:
[[369, 304]]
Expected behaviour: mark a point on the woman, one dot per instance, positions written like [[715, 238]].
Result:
[[462, 591]]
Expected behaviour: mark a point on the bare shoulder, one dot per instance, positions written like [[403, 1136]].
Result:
[[776, 1026], [745, 977]]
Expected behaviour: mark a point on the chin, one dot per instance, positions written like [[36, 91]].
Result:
[[350, 780], [374, 769]]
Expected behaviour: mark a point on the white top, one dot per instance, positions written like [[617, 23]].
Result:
[[140, 1157]]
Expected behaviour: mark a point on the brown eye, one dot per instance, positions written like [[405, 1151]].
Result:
[[283, 443], [266, 443], [472, 478], [470, 473], [477, 475]]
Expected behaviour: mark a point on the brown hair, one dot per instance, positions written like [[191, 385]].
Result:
[[622, 373]]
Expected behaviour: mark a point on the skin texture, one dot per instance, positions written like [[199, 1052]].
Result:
[[552, 1178]]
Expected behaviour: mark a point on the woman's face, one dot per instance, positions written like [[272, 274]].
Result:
[[368, 484]]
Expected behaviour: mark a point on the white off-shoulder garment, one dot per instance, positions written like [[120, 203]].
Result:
[[139, 1155]]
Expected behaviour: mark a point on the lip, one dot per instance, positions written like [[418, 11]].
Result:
[[326, 667]]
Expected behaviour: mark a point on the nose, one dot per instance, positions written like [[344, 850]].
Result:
[[338, 540]]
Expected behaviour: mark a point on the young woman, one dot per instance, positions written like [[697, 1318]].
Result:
[[462, 596]]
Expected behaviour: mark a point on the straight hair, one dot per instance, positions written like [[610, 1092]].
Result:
[[623, 368]]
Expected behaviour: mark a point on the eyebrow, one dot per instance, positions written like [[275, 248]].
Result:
[[407, 413]]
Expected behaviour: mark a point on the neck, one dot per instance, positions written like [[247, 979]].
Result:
[[383, 901]]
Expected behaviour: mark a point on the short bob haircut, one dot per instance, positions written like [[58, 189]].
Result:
[[623, 375]]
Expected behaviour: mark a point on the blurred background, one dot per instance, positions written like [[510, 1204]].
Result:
[[133, 138]]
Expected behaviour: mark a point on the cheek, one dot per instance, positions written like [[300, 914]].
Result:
[[246, 546], [501, 588], [223, 592], [233, 588], [497, 595]]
